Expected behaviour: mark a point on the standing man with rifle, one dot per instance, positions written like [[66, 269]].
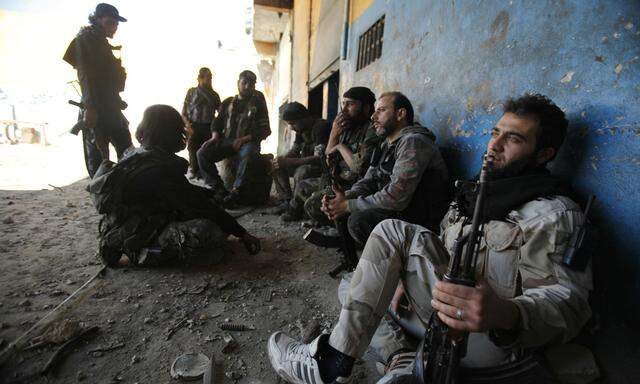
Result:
[[524, 296], [101, 78]]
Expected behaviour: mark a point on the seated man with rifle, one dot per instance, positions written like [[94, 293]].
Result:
[[352, 140], [496, 285], [407, 179]]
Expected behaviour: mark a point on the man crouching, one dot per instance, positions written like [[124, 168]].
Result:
[[525, 298], [151, 212]]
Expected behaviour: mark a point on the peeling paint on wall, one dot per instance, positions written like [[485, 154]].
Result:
[[459, 61]]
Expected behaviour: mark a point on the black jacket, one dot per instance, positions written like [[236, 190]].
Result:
[[100, 73], [162, 189]]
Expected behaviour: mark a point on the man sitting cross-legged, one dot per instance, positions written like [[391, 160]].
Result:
[[526, 297]]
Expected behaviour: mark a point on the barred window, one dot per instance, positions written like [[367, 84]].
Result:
[[370, 44]]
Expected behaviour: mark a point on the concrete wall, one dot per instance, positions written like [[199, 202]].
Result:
[[457, 60], [300, 51]]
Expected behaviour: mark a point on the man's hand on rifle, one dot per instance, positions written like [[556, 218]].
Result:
[[335, 207], [90, 117], [473, 309]]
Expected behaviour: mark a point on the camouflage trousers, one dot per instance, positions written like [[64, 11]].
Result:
[[399, 251], [193, 242], [302, 191], [313, 205], [388, 337], [395, 251], [300, 173]]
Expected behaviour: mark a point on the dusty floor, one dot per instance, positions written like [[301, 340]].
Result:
[[48, 245]]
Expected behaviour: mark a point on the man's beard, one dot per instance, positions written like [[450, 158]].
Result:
[[514, 168], [384, 131]]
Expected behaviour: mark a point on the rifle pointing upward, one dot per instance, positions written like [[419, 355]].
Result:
[[442, 347]]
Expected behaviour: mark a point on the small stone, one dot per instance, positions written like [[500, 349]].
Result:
[[272, 308], [230, 343], [81, 376], [618, 69], [8, 220], [97, 354], [110, 321], [70, 204], [136, 305], [233, 375], [135, 359], [69, 282], [25, 303]]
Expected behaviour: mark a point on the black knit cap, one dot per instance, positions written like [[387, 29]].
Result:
[[294, 111], [362, 94]]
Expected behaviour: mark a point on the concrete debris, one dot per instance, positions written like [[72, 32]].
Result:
[[60, 332], [618, 69], [189, 366], [310, 331], [24, 303], [233, 375], [567, 77], [230, 344]]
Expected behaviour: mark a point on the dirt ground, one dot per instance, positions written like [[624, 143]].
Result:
[[48, 248]]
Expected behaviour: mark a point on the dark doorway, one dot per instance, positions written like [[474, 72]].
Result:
[[323, 98]]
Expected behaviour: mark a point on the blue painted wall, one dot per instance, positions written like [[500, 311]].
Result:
[[458, 60]]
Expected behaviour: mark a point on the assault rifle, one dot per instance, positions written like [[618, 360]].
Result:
[[441, 350], [349, 258], [78, 126]]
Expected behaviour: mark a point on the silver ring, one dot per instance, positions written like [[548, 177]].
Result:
[[459, 314]]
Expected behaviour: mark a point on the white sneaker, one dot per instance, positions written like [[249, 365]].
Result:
[[400, 367], [295, 362]]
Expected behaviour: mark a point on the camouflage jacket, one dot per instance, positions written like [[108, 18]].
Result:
[[362, 141], [200, 105], [407, 176], [522, 259], [238, 117]]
